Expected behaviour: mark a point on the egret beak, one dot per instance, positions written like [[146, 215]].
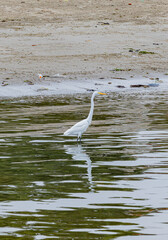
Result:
[[102, 93]]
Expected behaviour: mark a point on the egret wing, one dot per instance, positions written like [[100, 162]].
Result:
[[79, 127]]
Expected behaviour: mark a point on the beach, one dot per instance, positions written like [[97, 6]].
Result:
[[82, 41]]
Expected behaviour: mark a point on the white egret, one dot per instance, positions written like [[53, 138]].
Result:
[[79, 128]]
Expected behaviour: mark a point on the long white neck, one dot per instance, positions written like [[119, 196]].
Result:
[[89, 118]]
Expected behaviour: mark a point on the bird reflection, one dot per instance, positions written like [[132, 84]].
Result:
[[78, 154]]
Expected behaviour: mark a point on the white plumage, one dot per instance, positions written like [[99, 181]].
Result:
[[79, 128]]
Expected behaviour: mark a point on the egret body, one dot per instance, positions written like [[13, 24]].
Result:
[[79, 128]]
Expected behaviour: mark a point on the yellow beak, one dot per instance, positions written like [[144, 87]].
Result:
[[102, 93]]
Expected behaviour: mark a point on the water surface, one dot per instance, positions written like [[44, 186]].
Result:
[[114, 185]]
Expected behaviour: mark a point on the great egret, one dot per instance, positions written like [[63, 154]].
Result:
[[79, 128]]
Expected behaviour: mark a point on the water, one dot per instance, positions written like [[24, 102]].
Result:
[[112, 186]]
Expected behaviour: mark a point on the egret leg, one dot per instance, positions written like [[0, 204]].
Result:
[[79, 139]]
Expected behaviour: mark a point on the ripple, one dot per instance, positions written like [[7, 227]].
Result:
[[114, 183]]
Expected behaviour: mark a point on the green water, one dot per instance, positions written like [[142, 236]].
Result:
[[114, 185]]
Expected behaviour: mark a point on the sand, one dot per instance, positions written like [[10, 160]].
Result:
[[83, 41]]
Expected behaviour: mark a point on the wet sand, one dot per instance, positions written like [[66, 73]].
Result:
[[83, 41]]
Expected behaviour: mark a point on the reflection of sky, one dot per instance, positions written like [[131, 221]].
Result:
[[79, 154]]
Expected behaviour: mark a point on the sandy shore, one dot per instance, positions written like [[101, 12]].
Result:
[[81, 40]]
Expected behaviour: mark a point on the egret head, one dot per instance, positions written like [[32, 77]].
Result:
[[96, 93]]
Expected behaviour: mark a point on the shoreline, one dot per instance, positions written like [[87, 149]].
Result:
[[71, 87]]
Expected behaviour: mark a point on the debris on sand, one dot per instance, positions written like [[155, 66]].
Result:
[[121, 78], [40, 76], [97, 84], [104, 23], [4, 84], [120, 70], [140, 52], [139, 86], [153, 84], [145, 52], [50, 76], [42, 89], [29, 82], [120, 86], [145, 85]]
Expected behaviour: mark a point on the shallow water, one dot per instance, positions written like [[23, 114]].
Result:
[[112, 186]]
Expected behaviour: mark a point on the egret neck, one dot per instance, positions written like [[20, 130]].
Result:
[[89, 118]]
